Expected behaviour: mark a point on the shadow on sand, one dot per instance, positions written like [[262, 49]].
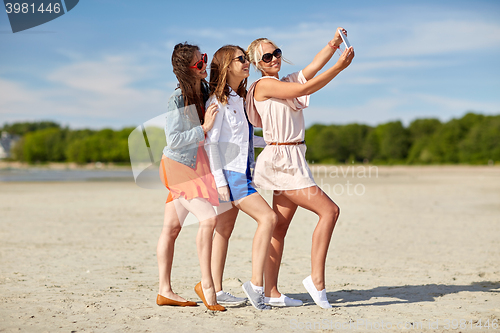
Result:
[[402, 294]]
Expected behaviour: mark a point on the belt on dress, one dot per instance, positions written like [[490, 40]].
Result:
[[287, 143]]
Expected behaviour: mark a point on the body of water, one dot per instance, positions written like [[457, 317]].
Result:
[[51, 175]]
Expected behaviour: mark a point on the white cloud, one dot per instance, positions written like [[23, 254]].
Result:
[[102, 92], [108, 76], [393, 64], [438, 37], [11, 92], [21, 102], [454, 104], [361, 80]]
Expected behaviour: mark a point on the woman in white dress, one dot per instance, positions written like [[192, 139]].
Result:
[[229, 146], [276, 106]]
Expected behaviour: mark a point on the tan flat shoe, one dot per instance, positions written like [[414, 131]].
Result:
[[199, 291], [160, 300]]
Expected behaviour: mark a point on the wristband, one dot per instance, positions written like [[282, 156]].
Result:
[[333, 46]]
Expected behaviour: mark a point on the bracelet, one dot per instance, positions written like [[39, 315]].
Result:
[[334, 47]]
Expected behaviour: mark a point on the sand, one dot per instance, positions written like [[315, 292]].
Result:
[[415, 249]]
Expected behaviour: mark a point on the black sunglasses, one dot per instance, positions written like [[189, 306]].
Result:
[[242, 58], [199, 63], [269, 56]]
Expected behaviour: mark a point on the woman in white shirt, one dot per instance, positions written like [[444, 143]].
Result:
[[229, 146]]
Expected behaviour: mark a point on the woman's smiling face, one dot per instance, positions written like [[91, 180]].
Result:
[[198, 73], [273, 67], [237, 69]]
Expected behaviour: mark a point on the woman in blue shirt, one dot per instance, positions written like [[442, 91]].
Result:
[[186, 173]]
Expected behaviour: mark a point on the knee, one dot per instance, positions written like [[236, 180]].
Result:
[[268, 219], [211, 223], [336, 210], [224, 228], [207, 226], [172, 231], [281, 229], [271, 219], [333, 212]]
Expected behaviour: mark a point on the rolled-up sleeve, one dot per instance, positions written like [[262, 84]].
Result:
[[212, 147]]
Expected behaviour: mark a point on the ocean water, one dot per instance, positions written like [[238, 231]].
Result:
[[50, 175]]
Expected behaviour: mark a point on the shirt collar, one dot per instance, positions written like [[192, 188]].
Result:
[[233, 94]]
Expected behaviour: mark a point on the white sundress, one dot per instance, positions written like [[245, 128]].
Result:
[[281, 167]]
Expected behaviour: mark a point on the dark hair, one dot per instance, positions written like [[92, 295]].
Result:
[[181, 61], [218, 73]]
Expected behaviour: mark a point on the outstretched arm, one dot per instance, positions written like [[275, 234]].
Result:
[[323, 56], [271, 88]]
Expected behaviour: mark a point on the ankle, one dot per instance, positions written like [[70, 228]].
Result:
[[165, 291], [208, 285], [319, 283], [275, 294], [257, 289]]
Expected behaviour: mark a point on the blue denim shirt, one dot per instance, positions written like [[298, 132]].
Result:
[[182, 130]]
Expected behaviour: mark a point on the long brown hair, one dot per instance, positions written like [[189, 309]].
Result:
[[219, 68], [181, 61]]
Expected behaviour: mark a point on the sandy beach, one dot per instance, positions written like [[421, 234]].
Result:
[[416, 249]]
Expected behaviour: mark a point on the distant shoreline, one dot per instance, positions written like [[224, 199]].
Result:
[[63, 166], [63, 172], [5, 165]]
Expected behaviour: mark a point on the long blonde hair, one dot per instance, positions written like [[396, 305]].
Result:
[[255, 52], [219, 68]]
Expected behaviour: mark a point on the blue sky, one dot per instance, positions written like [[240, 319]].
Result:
[[106, 63]]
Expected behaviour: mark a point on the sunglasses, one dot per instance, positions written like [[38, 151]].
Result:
[[242, 58], [269, 56], [199, 63]]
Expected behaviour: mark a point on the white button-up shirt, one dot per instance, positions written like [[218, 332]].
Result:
[[228, 140]]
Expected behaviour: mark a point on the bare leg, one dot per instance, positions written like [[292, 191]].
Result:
[[165, 250], [205, 213], [223, 230], [315, 200], [285, 209], [255, 206]]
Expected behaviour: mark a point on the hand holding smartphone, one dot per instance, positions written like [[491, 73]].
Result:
[[345, 42]]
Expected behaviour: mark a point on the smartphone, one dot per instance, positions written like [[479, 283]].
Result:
[[344, 39], [345, 42]]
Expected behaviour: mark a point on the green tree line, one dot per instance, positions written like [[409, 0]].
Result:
[[472, 139], [48, 142]]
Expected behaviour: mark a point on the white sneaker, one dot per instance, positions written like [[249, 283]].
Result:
[[224, 298], [318, 296], [255, 298], [283, 300]]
